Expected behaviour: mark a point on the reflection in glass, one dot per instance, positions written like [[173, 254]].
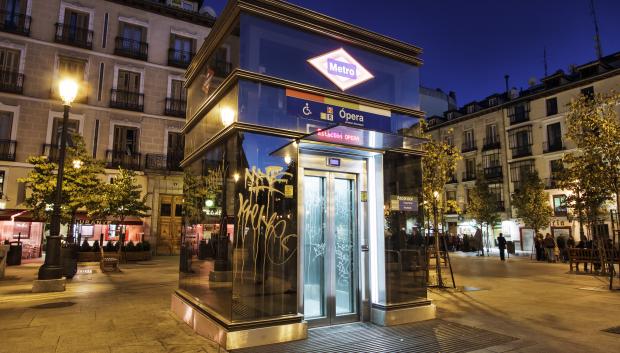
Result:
[[344, 196], [314, 246]]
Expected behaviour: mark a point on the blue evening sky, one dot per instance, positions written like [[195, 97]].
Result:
[[470, 45]]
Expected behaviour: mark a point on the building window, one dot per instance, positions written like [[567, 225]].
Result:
[[10, 78], [555, 168], [74, 30], [519, 170], [73, 127], [175, 150], [520, 141], [588, 92], [554, 138], [519, 113], [471, 109], [126, 145], [132, 41], [14, 18], [177, 100], [470, 169], [181, 51], [75, 69], [491, 139], [7, 144], [2, 177], [469, 143], [449, 140], [492, 101], [127, 94], [221, 63], [491, 165], [559, 205], [497, 190], [552, 106], [165, 210]]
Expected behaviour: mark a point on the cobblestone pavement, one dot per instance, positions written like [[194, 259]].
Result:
[[545, 307]]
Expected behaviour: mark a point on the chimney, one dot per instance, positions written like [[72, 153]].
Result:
[[506, 77]]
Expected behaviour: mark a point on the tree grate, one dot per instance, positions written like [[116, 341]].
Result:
[[427, 336]]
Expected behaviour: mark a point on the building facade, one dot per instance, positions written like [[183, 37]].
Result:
[[313, 183], [507, 135], [129, 58]]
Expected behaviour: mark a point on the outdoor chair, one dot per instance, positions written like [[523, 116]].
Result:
[[109, 262]]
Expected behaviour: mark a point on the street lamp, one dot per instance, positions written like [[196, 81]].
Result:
[[52, 268]]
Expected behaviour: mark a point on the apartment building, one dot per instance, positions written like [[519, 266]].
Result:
[[508, 134], [130, 57]]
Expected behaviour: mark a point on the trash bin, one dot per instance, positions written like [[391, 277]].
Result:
[[14, 257], [510, 246]]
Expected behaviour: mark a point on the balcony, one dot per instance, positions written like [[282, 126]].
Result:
[[127, 100], [495, 172], [75, 36], [221, 68], [131, 48], [163, 162], [557, 145], [51, 152], [469, 146], [452, 180], [491, 143], [15, 23], [521, 151], [124, 159], [175, 107], [179, 58], [469, 176], [560, 212], [550, 183], [11, 82], [519, 117], [500, 207], [7, 150]]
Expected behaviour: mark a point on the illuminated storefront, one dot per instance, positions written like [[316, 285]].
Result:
[[305, 179]]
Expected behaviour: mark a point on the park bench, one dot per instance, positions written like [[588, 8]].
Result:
[[109, 262], [591, 257]]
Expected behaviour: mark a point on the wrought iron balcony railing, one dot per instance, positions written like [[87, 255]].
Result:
[[175, 107], [11, 81], [550, 183], [156, 161], [500, 206], [72, 35], [221, 68], [519, 117], [127, 100], [468, 176], [131, 48], [491, 173], [7, 150], [51, 152], [557, 145], [469, 146], [491, 143], [179, 58], [14, 22], [124, 159], [521, 151]]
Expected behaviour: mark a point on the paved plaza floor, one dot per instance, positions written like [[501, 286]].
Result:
[[535, 307]]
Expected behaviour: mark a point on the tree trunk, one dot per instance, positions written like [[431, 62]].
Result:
[[70, 239]]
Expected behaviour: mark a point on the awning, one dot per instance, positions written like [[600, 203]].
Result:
[[347, 136], [81, 217]]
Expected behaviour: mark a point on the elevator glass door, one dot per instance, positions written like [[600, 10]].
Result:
[[329, 246]]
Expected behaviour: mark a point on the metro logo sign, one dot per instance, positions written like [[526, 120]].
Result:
[[341, 68]]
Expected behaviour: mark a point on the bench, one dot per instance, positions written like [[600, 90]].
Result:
[[109, 262], [590, 256]]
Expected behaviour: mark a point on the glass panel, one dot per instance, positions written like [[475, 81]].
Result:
[[314, 246], [344, 231]]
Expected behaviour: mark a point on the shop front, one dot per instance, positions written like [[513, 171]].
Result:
[[302, 177]]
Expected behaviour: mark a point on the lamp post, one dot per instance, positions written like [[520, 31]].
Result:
[[52, 268]]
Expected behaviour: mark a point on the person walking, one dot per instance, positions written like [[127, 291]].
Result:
[[549, 244], [538, 246], [562, 252], [501, 243]]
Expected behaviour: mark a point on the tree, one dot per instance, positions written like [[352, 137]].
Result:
[[438, 166], [194, 196], [121, 199], [593, 126], [81, 184], [532, 203], [483, 204]]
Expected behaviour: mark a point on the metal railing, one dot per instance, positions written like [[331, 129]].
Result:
[[469, 146], [519, 117], [490, 143], [127, 100], [175, 107], [468, 176], [221, 68], [131, 48], [72, 35], [124, 159], [500, 207], [51, 152], [550, 183], [494, 172], [7, 150], [521, 151], [14, 22], [11, 81], [179, 58], [169, 162], [557, 145]]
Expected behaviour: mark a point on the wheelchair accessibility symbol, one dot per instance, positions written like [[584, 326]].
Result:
[[306, 110]]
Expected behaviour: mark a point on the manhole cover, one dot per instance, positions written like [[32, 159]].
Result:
[[53, 305], [615, 330]]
